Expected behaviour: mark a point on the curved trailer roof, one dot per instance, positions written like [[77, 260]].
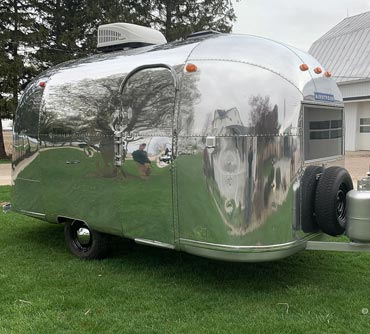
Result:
[[279, 58]]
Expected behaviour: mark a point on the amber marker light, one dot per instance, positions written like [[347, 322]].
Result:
[[42, 84], [191, 68], [327, 74], [318, 70], [303, 67]]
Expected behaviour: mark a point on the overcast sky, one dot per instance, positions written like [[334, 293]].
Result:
[[295, 22]]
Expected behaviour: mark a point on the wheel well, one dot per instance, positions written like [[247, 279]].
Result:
[[63, 219]]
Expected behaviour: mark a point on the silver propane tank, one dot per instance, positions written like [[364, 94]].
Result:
[[358, 212]]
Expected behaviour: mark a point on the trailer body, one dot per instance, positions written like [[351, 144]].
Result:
[[230, 124]]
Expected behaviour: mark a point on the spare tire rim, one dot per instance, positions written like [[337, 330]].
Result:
[[341, 204]]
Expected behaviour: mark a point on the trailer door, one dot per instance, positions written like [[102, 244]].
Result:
[[146, 117]]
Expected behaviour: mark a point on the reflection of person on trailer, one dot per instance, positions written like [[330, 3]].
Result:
[[140, 156]]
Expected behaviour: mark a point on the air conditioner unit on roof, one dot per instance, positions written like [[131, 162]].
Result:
[[121, 35]]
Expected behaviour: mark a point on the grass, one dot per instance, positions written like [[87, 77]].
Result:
[[44, 289], [5, 161]]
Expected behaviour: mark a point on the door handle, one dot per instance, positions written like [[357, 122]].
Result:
[[211, 142]]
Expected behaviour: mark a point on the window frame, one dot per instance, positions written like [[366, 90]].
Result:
[[366, 125], [306, 106]]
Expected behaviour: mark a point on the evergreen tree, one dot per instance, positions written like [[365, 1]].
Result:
[[18, 30], [177, 19], [69, 27], [63, 31]]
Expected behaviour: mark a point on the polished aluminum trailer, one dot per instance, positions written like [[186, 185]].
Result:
[[245, 138]]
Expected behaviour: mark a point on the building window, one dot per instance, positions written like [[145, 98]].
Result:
[[365, 125]]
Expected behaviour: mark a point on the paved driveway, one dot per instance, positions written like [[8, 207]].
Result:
[[5, 172], [358, 164]]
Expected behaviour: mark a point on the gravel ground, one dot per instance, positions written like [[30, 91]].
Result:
[[358, 164]]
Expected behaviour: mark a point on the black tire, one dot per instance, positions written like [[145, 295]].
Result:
[[308, 193], [84, 242], [330, 202]]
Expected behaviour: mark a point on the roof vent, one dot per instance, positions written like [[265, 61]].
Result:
[[116, 36], [203, 33]]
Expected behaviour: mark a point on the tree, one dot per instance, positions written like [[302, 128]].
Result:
[[69, 27], [177, 19], [18, 30], [64, 31]]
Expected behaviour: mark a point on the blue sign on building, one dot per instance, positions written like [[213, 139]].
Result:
[[324, 97]]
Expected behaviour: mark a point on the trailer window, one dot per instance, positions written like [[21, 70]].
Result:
[[323, 132], [325, 129]]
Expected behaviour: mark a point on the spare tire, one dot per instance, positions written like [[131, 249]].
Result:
[[330, 202], [308, 193]]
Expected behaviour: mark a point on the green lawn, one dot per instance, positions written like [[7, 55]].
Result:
[[44, 289]]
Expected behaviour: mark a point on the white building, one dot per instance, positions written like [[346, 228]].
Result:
[[345, 52], [7, 124]]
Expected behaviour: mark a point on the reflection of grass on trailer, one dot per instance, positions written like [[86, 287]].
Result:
[[121, 200]]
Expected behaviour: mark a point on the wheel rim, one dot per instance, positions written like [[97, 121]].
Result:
[[341, 204], [81, 236]]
